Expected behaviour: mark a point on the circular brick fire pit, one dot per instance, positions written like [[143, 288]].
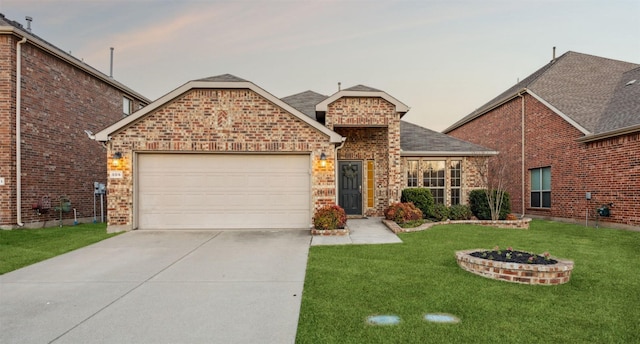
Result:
[[551, 274]]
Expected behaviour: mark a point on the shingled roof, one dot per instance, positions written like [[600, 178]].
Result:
[[414, 139], [11, 27], [305, 102], [581, 87]]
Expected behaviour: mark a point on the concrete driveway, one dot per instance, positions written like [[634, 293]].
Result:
[[161, 287]]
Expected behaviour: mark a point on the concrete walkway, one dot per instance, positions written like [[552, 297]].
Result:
[[161, 287], [361, 231]]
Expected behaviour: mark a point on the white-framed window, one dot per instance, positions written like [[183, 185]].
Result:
[[412, 173], [541, 187], [455, 172], [433, 178], [442, 177], [127, 106]]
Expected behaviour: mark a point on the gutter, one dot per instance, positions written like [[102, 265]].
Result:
[[18, 136], [447, 154], [609, 134], [522, 128]]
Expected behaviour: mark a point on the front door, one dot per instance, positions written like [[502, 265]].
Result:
[[350, 186]]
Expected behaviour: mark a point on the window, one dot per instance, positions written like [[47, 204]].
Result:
[[455, 168], [127, 106], [370, 184], [412, 173], [541, 187], [433, 178]]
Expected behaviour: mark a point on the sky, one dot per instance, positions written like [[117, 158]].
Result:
[[443, 59]]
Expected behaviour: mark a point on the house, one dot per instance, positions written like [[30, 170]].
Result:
[[49, 98], [221, 152], [569, 138]]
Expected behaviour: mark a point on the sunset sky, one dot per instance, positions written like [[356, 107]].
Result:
[[442, 58]]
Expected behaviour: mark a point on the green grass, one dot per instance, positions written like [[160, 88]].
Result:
[[601, 304], [22, 247]]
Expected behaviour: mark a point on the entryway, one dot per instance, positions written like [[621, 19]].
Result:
[[350, 186]]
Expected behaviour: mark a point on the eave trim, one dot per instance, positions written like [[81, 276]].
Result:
[[104, 134], [400, 106], [447, 153]]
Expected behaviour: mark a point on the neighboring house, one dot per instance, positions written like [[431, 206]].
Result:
[[221, 152], [569, 136], [49, 98]]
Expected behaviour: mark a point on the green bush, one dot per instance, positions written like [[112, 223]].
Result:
[[460, 212], [480, 205], [402, 212], [330, 217], [421, 198], [440, 212]]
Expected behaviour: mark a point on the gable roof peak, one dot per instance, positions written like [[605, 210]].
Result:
[[362, 88], [223, 78]]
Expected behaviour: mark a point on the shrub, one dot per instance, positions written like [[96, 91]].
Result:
[[402, 212], [440, 212], [480, 205], [330, 217], [421, 198], [460, 212]]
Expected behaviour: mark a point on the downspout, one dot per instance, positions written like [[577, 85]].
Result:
[[522, 182], [18, 136]]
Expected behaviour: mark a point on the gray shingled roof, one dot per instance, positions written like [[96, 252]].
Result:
[[624, 108], [581, 86], [305, 102], [362, 88], [223, 78], [414, 138]]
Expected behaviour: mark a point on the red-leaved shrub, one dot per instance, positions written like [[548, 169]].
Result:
[[402, 212], [330, 217]]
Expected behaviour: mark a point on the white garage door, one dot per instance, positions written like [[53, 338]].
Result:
[[201, 191]]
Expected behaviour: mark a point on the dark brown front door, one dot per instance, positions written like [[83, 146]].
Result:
[[350, 186]]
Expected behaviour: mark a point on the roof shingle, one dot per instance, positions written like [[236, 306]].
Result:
[[581, 86]]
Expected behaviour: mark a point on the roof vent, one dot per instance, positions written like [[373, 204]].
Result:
[[631, 82], [29, 20]]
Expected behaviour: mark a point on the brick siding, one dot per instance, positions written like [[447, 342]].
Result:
[[372, 128], [59, 102], [609, 168], [218, 120]]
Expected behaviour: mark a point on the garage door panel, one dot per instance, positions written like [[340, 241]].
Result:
[[193, 191]]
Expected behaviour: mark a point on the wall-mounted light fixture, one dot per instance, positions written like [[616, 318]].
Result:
[[115, 160], [323, 160]]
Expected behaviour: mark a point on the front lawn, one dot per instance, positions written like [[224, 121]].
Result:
[[22, 247], [601, 304]]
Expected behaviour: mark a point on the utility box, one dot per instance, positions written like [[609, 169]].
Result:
[[65, 205], [604, 211]]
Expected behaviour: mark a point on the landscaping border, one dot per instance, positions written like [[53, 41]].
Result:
[[330, 232], [514, 224], [537, 274]]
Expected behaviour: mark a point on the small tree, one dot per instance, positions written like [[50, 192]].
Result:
[[492, 175]]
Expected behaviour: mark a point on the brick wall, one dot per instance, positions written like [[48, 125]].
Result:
[[608, 168], [59, 102], [238, 120], [372, 128]]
